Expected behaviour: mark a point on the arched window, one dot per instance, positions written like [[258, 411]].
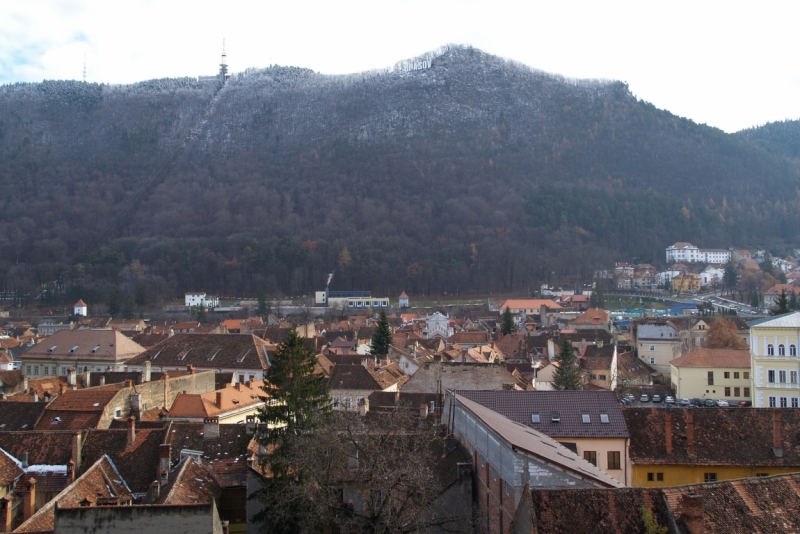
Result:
[[781, 350], [770, 350], [792, 350]]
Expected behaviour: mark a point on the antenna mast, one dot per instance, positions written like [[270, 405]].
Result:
[[223, 66], [84, 68]]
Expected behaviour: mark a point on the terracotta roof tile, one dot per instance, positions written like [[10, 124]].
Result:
[[20, 415], [137, 463], [43, 448], [100, 345], [229, 351], [10, 469], [714, 358], [192, 484]]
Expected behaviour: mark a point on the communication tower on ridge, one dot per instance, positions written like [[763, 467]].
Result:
[[223, 67], [84, 68]]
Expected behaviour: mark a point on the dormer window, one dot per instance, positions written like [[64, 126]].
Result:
[[604, 418], [535, 419], [586, 418], [94, 350], [51, 349], [73, 349], [555, 417]]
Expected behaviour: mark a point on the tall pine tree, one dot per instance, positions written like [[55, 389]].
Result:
[[782, 304], [297, 401], [382, 337], [567, 375], [507, 325]]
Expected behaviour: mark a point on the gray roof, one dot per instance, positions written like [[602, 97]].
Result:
[[570, 406], [786, 320], [657, 331], [208, 351]]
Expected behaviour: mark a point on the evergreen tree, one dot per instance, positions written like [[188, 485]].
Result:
[[382, 337], [793, 301], [263, 305], [597, 300], [567, 375], [730, 278], [114, 302], [782, 303], [507, 325], [297, 402], [201, 315]]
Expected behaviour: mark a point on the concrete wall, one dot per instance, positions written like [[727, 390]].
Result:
[[459, 376], [154, 394], [138, 519]]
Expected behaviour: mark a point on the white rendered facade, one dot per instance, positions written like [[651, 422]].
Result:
[[774, 344]]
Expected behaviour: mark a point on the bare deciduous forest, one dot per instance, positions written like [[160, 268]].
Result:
[[474, 175]]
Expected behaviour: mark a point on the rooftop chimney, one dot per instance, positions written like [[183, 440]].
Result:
[[777, 436], [219, 397], [71, 471], [225, 527], [24, 459], [129, 383], [211, 428], [668, 431], [76, 449], [72, 378], [164, 457], [88, 501], [146, 371], [131, 431], [692, 513], [7, 503], [689, 431], [423, 411], [25, 383], [190, 368], [102, 380], [155, 490], [34, 395], [29, 499], [363, 407], [87, 377]]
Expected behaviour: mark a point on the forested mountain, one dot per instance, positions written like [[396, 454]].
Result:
[[471, 173]]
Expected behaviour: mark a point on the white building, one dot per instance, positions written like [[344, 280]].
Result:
[[437, 325], [81, 308], [775, 364], [682, 252], [201, 300], [711, 276]]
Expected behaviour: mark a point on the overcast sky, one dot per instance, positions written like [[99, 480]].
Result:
[[728, 64]]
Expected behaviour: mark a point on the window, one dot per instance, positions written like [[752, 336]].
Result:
[[535, 418], [336, 402], [784, 403], [792, 350], [709, 477], [652, 347], [586, 418], [794, 402], [746, 375], [652, 361], [726, 375], [46, 370], [659, 477], [594, 377], [348, 402], [602, 377], [782, 377], [762, 474], [36, 370], [27, 369], [359, 401], [746, 392], [793, 377], [727, 392], [117, 413], [772, 402], [770, 350], [736, 392], [781, 350], [736, 375], [771, 376], [604, 418], [711, 378], [591, 457], [651, 477], [507, 487], [613, 460], [63, 370]]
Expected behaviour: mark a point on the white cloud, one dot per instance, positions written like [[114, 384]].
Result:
[[724, 64]]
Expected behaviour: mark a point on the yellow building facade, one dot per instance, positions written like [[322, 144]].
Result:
[[774, 343], [722, 374]]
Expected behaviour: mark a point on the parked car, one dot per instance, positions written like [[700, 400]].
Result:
[[630, 396], [656, 398], [669, 399], [722, 402], [685, 402], [625, 402], [744, 404], [697, 402], [644, 398], [709, 403]]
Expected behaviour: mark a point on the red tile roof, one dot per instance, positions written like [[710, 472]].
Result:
[[737, 358], [10, 469], [43, 448]]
